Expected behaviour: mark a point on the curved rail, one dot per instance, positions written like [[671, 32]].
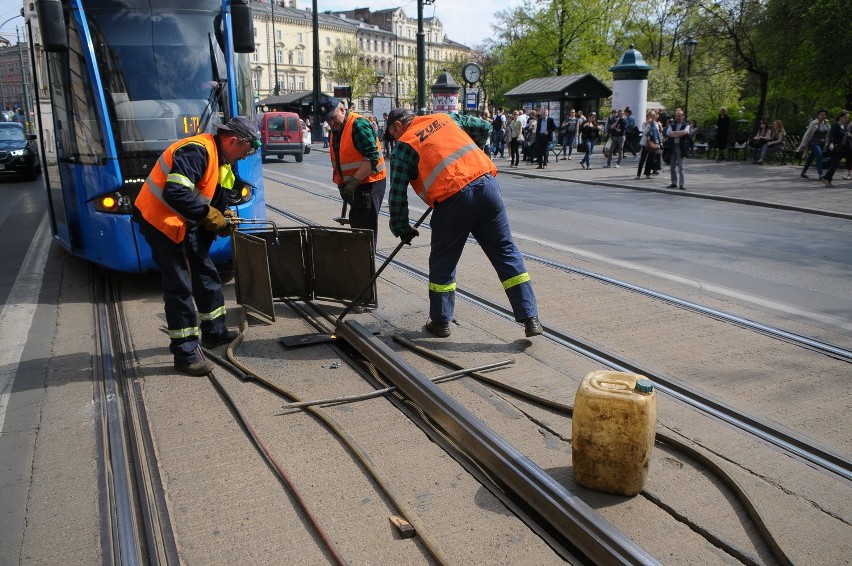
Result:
[[769, 432]]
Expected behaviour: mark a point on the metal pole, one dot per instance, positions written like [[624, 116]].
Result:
[[25, 86], [686, 102], [315, 123], [275, 90], [421, 61]]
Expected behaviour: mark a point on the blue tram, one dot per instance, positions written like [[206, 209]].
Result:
[[126, 78]]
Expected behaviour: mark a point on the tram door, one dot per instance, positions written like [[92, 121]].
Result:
[[313, 263]]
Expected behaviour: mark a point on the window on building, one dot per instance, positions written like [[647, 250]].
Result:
[[290, 57], [255, 56], [300, 57], [301, 83], [299, 37], [291, 82], [328, 42], [257, 81], [328, 61], [279, 56], [361, 43], [278, 35]]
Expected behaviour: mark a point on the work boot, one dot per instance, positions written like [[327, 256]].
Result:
[[439, 329], [532, 327], [211, 342], [198, 367]]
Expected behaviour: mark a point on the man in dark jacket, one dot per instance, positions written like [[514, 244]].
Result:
[[544, 135], [180, 209]]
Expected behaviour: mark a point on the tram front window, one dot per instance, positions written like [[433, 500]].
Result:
[[156, 70]]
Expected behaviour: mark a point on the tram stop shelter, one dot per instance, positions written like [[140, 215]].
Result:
[[559, 94]]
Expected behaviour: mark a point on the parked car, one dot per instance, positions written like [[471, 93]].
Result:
[[282, 133], [306, 137], [18, 152]]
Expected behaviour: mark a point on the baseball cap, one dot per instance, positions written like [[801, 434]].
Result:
[[327, 106], [241, 127], [395, 115]]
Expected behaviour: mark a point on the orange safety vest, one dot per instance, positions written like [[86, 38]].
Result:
[[350, 158], [150, 201], [449, 159]]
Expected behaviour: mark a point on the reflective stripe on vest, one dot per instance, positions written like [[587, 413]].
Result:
[[449, 159], [449, 288], [516, 280], [350, 158], [150, 201]]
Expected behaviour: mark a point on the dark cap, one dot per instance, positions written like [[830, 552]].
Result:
[[395, 115], [241, 127], [327, 106]]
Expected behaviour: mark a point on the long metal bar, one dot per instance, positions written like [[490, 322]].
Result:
[[570, 520]]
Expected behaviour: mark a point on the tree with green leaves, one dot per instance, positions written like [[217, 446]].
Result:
[[349, 69]]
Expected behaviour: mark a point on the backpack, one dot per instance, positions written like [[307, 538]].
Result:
[[497, 124]]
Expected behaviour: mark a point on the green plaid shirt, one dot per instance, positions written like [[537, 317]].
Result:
[[404, 164], [363, 138]]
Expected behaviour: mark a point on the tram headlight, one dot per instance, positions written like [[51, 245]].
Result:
[[114, 203], [242, 192]]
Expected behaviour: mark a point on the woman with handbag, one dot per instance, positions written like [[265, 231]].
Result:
[[650, 145]]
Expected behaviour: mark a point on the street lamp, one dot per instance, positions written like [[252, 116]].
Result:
[[276, 91], [689, 46]]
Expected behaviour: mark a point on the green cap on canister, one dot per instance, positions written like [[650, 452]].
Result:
[[644, 386]]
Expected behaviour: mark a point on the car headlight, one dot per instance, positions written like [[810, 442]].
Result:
[[18, 152]]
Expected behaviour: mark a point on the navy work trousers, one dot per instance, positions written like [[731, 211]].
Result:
[[190, 279], [478, 210], [365, 206]]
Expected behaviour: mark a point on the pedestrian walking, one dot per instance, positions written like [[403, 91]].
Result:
[[815, 141], [439, 156], [181, 209], [357, 163], [588, 134]]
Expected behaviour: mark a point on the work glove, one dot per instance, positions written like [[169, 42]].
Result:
[[349, 187], [230, 225], [408, 234], [213, 220]]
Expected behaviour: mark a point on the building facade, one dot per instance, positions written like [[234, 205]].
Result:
[[380, 46]]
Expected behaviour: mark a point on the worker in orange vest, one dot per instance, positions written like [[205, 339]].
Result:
[[180, 209], [440, 155], [357, 163]]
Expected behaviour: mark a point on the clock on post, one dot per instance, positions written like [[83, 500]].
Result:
[[472, 72]]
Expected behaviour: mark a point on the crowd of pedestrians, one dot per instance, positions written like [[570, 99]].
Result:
[[662, 140]]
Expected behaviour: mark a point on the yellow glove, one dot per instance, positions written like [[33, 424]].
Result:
[[230, 225], [213, 221]]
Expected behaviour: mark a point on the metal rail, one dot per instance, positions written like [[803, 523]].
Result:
[[767, 431], [792, 337], [140, 530], [569, 519]]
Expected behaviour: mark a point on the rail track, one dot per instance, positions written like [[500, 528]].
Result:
[[792, 442], [141, 532]]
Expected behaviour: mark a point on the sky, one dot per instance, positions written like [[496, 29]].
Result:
[[464, 21]]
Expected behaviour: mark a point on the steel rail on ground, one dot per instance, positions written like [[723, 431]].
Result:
[[567, 518]]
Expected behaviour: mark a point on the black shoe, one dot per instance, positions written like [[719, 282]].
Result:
[[439, 329], [532, 327], [672, 187], [682, 188], [805, 176], [213, 341], [197, 368]]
